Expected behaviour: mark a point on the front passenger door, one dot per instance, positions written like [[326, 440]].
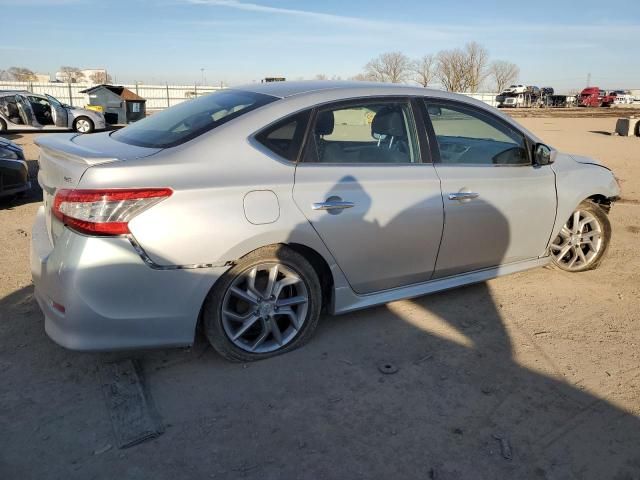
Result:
[[499, 208], [58, 112]]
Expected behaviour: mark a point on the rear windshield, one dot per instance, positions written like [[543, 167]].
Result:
[[190, 119]]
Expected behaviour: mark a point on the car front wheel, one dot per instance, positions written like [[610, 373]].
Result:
[[83, 125], [583, 240], [268, 303]]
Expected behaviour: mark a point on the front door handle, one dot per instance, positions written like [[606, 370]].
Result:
[[332, 205], [462, 196]]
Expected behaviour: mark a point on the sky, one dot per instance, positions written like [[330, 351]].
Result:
[[555, 43]]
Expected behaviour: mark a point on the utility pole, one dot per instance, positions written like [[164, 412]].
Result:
[[202, 72], [588, 79]]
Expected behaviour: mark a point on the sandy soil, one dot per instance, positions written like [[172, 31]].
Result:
[[576, 112], [536, 375]]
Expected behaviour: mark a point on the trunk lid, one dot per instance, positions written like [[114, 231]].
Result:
[[65, 157]]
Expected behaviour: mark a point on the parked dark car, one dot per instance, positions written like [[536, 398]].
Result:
[[14, 173]]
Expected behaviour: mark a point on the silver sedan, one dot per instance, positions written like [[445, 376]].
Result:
[[252, 209], [21, 110]]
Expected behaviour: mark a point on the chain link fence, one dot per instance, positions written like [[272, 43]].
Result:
[[158, 96]]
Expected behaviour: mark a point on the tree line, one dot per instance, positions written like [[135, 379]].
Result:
[[68, 75], [457, 70]]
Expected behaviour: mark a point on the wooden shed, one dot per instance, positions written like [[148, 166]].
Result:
[[119, 104]]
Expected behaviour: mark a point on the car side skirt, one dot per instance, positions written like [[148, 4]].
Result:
[[345, 300]]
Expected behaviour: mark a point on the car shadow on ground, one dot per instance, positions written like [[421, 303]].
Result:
[[458, 406]]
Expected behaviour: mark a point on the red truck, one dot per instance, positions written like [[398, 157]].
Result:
[[591, 97]]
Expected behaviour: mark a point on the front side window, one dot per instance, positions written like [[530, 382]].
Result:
[[190, 119], [467, 136], [368, 132]]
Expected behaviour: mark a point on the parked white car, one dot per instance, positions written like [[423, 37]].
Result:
[[21, 110], [516, 89], [623, 99]]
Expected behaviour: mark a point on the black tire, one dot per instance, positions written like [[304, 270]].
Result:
[[212, 308], [3, 125], [603, 219], [87, 119]]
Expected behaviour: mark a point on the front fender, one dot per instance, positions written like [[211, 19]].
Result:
[[577, 181]]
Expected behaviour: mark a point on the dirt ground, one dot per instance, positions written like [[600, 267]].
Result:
[[576, 112], [535, 375]]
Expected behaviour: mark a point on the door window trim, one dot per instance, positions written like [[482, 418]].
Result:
[[355, 101], [433, 141]]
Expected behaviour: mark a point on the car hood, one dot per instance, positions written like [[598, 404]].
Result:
[[588, 161], [77, 111], [5, 142]]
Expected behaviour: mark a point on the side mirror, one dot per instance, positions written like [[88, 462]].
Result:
[[432, 110], [543, 155]]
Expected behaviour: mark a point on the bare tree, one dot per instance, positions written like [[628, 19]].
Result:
[[394, 67], [462, 70], [71, 74], [424, 69], [361, 77], [100, 77], [477, 58], [21, 74], [503, 74], [450, 70], [321, 76], [4, 75]]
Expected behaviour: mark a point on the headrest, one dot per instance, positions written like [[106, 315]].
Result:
[[388, 121], [324, 123]]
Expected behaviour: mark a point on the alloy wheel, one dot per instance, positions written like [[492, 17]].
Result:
[[579, 241], [83, 126], [264, 308]]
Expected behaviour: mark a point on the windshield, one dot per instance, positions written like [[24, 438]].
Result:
[[53, 101], [190, 119]]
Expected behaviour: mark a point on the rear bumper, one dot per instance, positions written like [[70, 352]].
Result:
[[14, 177], [112, 300]]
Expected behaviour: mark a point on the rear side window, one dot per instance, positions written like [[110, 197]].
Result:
[[368, 132], [285, 137], [190, 119]]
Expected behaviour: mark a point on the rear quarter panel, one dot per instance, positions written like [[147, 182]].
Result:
[[204, 221]]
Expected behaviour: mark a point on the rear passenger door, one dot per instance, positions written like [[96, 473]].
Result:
[[25, 111], [373, 199], [499, 207]]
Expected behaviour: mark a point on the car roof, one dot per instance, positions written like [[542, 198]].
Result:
[[4, 93], [291, 88]]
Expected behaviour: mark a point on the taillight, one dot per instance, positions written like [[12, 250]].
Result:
[[104, 212]]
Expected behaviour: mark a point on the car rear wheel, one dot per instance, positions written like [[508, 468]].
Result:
[[583, 240], [83, 125], [267, 304]]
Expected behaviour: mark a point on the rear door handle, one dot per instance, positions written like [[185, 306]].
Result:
[[463, 196], [332, 205]]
